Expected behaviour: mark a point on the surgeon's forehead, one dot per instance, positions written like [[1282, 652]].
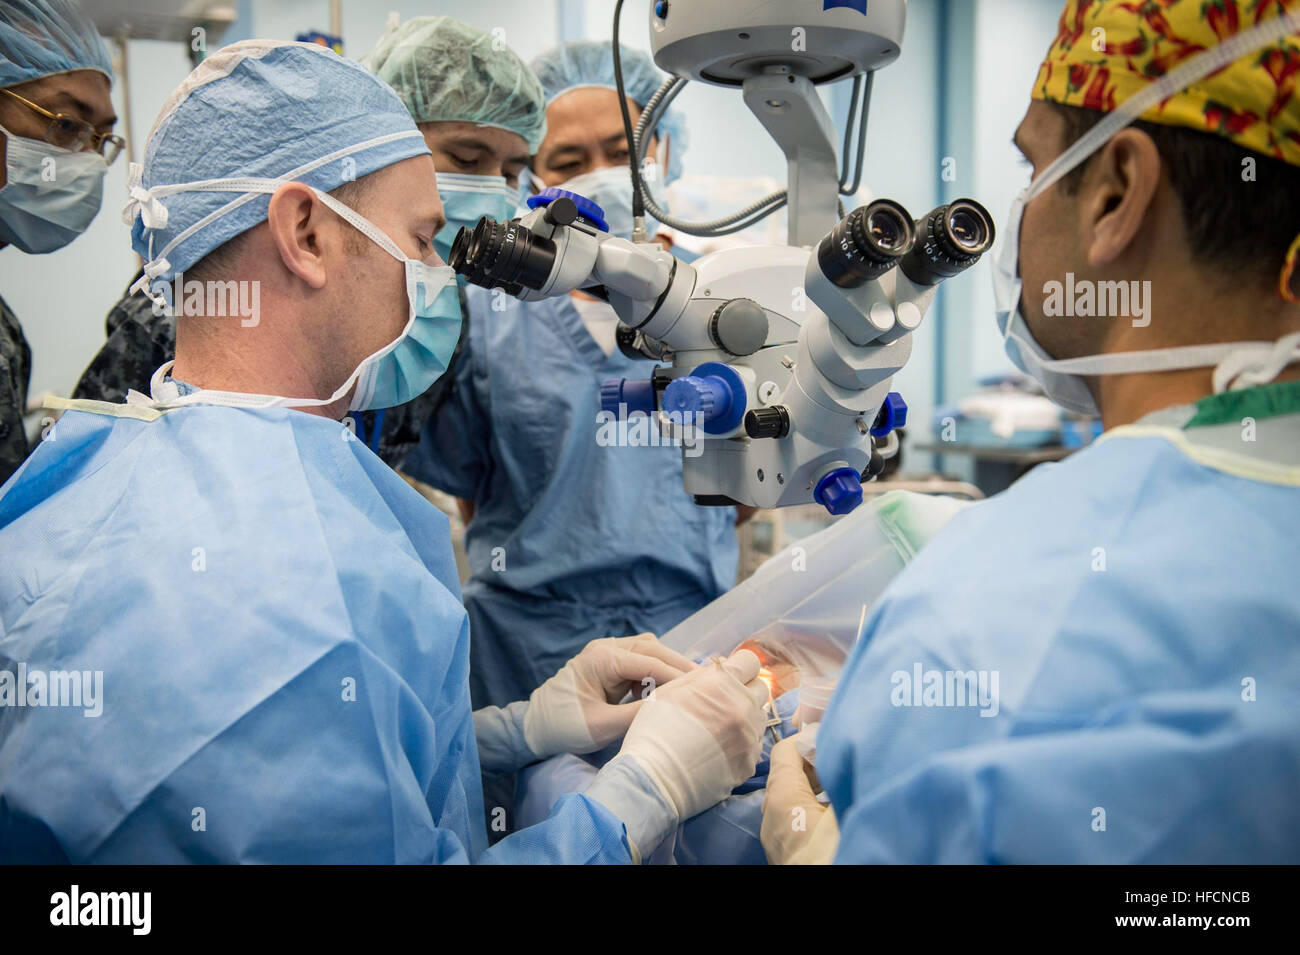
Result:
[[424, 201], [586, 113], [476, 134], [407, 188], [84, 94], [580, 142]]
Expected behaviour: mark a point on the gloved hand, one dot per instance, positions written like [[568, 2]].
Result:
[[797, 828], [578, 710], [693, 741]]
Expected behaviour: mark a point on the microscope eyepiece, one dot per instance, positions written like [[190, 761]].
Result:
[[968, 229], [866, 243], [949, 240], [502, 255]]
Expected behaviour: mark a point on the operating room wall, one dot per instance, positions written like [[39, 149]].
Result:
[[1011, 38]]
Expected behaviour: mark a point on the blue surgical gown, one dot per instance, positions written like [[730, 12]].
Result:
[[1140, 606], [572, 539], [284, 654]]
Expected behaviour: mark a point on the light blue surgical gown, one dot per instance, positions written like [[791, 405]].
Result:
[[1139, 604], [283, 653], [572, 539]]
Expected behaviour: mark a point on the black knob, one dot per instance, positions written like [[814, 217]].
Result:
[[773, 422], [562, 211]]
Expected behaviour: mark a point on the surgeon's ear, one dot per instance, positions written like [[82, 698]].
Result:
[[1118, 194], [298, 221]]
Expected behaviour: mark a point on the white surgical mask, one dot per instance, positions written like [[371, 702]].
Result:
[[610, 187], [51, 196], [1236, 364]]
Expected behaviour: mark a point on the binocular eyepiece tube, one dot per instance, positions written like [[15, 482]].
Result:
[[872, 239], [948, 241], [503, 255], [866, 244]]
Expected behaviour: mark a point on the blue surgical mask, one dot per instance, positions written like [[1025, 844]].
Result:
[[422, 353], [51, 196], [466, 199]]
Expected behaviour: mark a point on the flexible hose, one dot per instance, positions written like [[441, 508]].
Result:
[[736, 221]]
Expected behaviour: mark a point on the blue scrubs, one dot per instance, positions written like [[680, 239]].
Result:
[[282, 654], [1138, 604], [572, 539]]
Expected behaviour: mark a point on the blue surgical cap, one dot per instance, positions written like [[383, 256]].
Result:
[[44, 37], [446, 70], [573, 66], [258, 109]]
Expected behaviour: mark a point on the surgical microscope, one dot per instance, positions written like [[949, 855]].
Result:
[[778, 360]]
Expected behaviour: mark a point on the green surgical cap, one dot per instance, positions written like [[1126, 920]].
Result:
[[445, 70]]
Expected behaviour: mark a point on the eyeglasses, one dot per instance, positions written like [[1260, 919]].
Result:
[[68, 132]]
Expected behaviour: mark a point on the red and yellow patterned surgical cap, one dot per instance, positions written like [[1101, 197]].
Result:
[[1108, 50]]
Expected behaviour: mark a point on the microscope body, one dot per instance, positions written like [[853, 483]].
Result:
[[778, 360], [751, 312]]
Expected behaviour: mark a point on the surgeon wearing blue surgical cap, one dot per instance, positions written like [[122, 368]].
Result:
[[263, 621], [55, 114], [481, 111], [570, 537]]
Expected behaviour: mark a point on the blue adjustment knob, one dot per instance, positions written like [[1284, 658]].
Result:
[[620, 396], [714, 392], [892, 415], [588, 209], [839, 491], [706, 397]]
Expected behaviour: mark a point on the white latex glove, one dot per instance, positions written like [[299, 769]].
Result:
[[578, 709], [798, 829], [691, 744]]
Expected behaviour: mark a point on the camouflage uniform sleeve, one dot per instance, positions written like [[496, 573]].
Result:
[[138, 342], [15, 376]]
